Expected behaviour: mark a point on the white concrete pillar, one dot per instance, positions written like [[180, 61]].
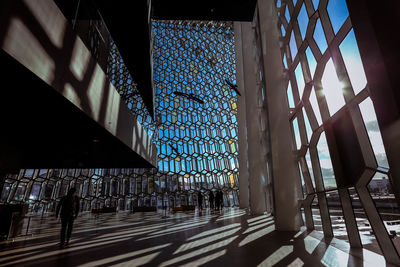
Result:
[[241, 118], [250, 90], [286, 175]]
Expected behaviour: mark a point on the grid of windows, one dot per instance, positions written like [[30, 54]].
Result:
[[329, 104], [194, 62]]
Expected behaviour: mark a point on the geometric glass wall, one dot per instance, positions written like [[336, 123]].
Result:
[[197, 137], [329, 104]]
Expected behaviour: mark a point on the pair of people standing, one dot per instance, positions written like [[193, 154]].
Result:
[[217, 201]]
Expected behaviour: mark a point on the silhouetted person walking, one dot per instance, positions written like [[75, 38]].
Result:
[[220, 197], [211, 199], [69, 206], [200, 200]]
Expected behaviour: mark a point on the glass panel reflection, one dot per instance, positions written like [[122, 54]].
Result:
[[374, 133], [332, 88], [325, 163], [352, 60]]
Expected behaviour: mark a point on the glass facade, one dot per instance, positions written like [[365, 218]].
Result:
[[327, 83]]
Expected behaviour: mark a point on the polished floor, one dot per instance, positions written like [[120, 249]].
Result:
[[227, 238]]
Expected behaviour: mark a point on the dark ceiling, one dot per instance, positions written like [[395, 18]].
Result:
[[218, 10]]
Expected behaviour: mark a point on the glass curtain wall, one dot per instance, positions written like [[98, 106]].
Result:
[[335, 131]]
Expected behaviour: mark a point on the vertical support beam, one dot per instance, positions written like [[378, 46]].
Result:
[[256, 163], [287, 185], [241, 118]]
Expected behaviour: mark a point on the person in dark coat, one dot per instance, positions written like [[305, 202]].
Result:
[[69, 206], [211, 199], [200, 200], [220, 197]]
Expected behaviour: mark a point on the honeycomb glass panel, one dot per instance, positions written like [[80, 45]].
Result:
[[296, 133], [315, 3], [309, 165], [290, 96], [352, 60], [314, 105], [300, 79], [325, 163], [303, 184], [199, 87], [319, 37], [303, 21], [293, 46], [332, 88], [338, 13], [283, 30], [374, 133], [287, 15], [312, 63], [307, 124]]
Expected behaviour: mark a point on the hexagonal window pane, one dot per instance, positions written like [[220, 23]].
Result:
[[300, 79], [314, 105], [312, 63], [332, 88], [315, 3], [374, 133], [287, 15], [296, 133], [310, 169], [352, 60], [293, 46], [338, 13], [325, 163], [319, 37], [303, 21], [290, 96], [308, 126]]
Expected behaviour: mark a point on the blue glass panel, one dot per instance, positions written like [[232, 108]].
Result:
[[315, 3], [303, 21], [352, 60], [296, 133], [319, 37], [300, 79], [308, 126], [312, 63], [314, 105], [287, 15], [290, 96], [293, 46], [285, 60], [283, 30], [326, 163], [338, 13], [278, 3]]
